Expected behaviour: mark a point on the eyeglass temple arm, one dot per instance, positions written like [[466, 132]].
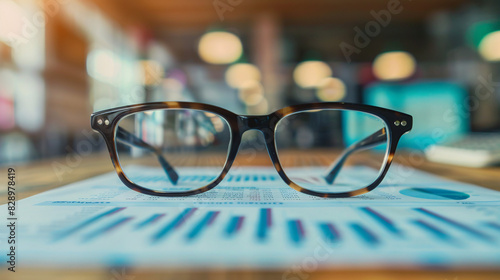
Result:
[[377, 138], [130, 139]]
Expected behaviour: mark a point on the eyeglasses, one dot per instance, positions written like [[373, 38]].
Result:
[[183, 148]]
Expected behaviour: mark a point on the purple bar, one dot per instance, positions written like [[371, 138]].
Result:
[[149, 221], [240, 223], [204, 223], [330, 233], [234, 225], [297, 232], [175, 224], [269, 217], [88, 222], [458, 225], [383, 220], [106, 229], [213, 217], [265, 223]]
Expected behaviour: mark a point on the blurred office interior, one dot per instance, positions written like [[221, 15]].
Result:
[[61, 60]]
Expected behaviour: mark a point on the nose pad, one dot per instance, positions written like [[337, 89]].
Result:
[[254, 149]]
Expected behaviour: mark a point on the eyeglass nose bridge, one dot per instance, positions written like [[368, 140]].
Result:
[[261, 123]]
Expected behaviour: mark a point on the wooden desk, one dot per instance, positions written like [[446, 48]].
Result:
[[41, 176]]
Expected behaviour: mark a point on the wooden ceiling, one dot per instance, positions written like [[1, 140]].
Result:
[[174, 15], [316, 24]]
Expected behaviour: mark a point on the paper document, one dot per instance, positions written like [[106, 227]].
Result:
[[253, 219]]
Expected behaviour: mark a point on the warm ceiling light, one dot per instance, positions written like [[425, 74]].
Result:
[[396, 65], [173, 84], [240, 73], [489, 47], [331, 89], [251, 93], [220, 47], [308, 74], [103, 65], [152, 72], [260, 108], [11, 20]]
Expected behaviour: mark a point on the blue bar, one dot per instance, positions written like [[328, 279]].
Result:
[[154, 218], [204, 223], [265, 223], [365, 234], [493, 225], [296, 231], [329, 232], [234, 225], [108, 228], [456, 224], [87, 223], [384, 221], [438, 233], [176, 223], [185, 178]]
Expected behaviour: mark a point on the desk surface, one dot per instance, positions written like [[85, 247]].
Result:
[[41, 176]]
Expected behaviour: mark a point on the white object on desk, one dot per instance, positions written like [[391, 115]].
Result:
[[475, 150]]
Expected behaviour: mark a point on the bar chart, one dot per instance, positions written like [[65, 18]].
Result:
[[254, 219], [367, 225]]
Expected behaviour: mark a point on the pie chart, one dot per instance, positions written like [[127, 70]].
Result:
[[435, 194]]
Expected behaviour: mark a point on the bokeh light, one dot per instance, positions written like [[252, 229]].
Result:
[[331, 89], [220, 47], [397, 65], [172, 84], [261, 108], [308, 74], [173, 88], [251, 93], [103, 65], [240, 73], [152, 72], [489, 47], [7, 80], [30, 94], [11, 15], [217, 121]]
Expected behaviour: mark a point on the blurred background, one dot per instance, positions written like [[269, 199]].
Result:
[[61, 60]]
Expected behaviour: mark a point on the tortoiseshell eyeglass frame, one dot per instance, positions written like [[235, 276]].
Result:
[[397, 124]]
